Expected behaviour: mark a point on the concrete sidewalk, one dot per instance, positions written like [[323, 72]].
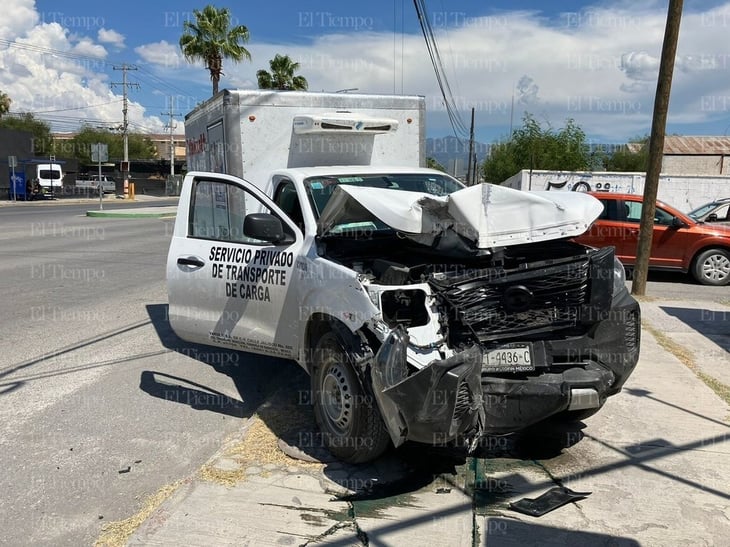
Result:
[[655, 460]]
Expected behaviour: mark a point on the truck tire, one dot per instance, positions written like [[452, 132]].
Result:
[[712, 267], [348, 418]]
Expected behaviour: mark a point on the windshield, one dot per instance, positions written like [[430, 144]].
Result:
[[702, 210], [320, 189]]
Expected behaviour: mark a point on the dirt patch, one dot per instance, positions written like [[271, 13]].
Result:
[[116, 534], [282, 416]]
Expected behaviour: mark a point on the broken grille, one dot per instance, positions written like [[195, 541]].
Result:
[[487, 305]]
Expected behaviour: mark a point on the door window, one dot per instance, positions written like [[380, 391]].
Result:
[[218, 209], [723, 213], [633, 214], [633, 211], [610, 210]]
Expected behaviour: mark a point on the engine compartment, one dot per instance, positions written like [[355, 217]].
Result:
[[547, 290], [392, 260]]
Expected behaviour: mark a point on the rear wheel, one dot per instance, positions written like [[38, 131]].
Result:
[[348, 418], [712, 267]]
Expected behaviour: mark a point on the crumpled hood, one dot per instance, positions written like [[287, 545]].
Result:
[[486, 214]]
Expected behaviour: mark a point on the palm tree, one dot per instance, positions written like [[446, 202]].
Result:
[[5, 101], [211, 39], [281, 75]]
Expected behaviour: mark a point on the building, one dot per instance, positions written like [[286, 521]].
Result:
[[162, 144], [696, 155]]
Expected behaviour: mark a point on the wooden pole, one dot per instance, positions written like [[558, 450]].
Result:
[[656, 146]]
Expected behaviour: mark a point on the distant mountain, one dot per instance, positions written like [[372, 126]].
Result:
[[453, 153]]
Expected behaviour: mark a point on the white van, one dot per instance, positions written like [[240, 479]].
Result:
[[49, 176]]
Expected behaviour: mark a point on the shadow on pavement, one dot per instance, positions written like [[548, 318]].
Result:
[[505, 532], [713, 324], [255, 377]]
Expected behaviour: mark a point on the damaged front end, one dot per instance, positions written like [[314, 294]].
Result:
[[491, 318], [518, 342]]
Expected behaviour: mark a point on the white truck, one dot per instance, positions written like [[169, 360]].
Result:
[[49, 177], [423, 310], [91, 183]]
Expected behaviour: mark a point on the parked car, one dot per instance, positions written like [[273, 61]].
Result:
[[679, 243], [716, 212], [91, 182]]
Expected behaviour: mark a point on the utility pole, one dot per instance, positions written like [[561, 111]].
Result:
[[470, 161], [171, 126], [125, 124], [656, 146]]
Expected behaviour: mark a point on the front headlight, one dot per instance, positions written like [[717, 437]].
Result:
[[619, 276]]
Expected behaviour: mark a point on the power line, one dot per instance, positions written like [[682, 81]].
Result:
[[155, 81], [77, 107], [457, 123]]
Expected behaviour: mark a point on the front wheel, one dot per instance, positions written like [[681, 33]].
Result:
[[712, 267], [348, 418]]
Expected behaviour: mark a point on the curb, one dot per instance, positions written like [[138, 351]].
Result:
[[128, 214]]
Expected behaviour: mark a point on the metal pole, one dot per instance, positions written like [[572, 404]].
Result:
[[125, 126], [101, 189]]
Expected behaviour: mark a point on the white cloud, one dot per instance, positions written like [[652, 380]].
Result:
[[18, 17], [597, 65], [62, 77], [85, 47], [109, 36], [162, 55], [639, 65]]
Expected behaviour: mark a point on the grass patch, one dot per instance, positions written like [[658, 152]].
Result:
[[116, 534], [681, 353]]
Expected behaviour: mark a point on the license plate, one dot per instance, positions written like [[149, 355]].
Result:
[[512, 358]]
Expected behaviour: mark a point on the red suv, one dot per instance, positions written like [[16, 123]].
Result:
[[679, 243]]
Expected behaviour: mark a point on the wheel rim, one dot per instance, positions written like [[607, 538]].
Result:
[[337, 399], [716, 267]]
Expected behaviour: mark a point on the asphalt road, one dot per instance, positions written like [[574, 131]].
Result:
[[100, 404]]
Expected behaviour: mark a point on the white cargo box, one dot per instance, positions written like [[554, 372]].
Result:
[[249, 133]]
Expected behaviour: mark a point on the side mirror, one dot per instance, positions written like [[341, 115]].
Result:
[[678, 223], [265, 227], [712, 217]]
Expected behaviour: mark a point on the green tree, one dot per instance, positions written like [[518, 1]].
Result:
[[632, 157], [431, 163], [211, 39], [281, 75], [27, 122], [535, 147], [5, 101], [139, 146]]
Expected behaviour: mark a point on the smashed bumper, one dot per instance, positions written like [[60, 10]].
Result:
[[454, 397]]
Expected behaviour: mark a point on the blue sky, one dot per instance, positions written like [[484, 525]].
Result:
[[595, 62]]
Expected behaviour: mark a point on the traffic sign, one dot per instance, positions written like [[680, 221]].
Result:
[[99, 152]]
